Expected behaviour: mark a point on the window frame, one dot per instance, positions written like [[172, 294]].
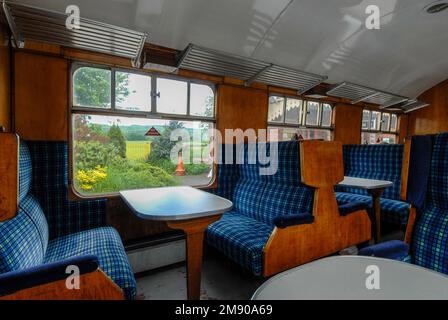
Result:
[[304, 112], [396, 133], [152, 115]]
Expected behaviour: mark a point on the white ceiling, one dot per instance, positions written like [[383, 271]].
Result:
[[407, 56]]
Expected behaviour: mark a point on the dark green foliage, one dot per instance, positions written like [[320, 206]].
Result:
[[117, 140], [161, 146]]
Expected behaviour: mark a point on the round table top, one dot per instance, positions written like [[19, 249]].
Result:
[[355, 278]]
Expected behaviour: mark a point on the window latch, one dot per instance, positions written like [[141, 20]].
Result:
[[155, 95]]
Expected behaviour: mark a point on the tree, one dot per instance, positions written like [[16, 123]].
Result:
[[92, 87], [117, 140], [161, 146]]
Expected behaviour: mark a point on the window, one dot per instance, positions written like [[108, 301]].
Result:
[[379, 127], [299, 119], [122, 127]]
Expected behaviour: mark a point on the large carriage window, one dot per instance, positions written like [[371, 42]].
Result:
[[126, 136], [293, 118], [379, 127]]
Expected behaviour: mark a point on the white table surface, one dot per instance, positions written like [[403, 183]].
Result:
[[344, 278], [174, 203], [367, 184]]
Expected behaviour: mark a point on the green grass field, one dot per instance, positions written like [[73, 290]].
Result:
[[138, 150]]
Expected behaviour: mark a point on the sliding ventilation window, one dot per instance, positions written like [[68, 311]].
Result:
[[379, 127], [299, 119], [139, 130]]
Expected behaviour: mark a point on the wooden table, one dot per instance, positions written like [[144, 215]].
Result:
[[347, 278], [375, 188], [182, 208]]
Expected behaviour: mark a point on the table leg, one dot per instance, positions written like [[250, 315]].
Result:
[[194, 230], [376, 206]]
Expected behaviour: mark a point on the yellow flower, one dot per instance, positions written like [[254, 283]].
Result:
[[88, 178]]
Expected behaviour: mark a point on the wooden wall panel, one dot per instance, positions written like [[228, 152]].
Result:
[[41, 96], [9, 171], [241, 108], [432, 119], [347, 119], [5, 111], [403, 128]]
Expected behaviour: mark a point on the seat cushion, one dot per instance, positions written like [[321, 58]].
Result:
[[392, 211], [240, 238], [104, 243]]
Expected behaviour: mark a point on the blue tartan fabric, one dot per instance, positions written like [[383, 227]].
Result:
[[241, 239], [430, 241], [260, 198], [106, 245], [381, 162], [33, 210], [392, 211], [283, 200], [227, 174], [25, 170], [50, 187], [20, 244]]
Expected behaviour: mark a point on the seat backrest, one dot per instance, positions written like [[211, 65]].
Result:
[[430, 240], [380, 162], [24, 239], [250, 185], [284, 193], [266, 196]]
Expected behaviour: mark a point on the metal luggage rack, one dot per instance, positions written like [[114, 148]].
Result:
[[219, 63], [32, 23], [357, 93]]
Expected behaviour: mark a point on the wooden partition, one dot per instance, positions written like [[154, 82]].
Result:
[[92, 286], [9, 172], [322, 169], [5, 110]]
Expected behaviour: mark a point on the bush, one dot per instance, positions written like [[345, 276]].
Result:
[[125, 175], [89, 155]]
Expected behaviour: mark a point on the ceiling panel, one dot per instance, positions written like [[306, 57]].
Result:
[[406, 56]]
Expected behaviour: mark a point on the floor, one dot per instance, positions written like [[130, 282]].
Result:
[[221, 280]]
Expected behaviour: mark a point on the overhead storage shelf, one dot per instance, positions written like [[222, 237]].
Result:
[[31, 23], [357, 93], [218, 63]]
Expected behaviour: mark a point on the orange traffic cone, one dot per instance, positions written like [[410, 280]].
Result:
[[180, 170]]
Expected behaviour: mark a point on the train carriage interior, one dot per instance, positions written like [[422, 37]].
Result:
[[224, 150]]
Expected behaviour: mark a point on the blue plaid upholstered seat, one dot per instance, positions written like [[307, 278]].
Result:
[[106, 245], [381, 162], [241, 239], [392, 211], [25, 240], [242, 234], [430, 241]]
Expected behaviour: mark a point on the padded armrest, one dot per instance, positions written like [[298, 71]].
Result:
[[351, 207], [14, 281], [394, 249], [293, 220]]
